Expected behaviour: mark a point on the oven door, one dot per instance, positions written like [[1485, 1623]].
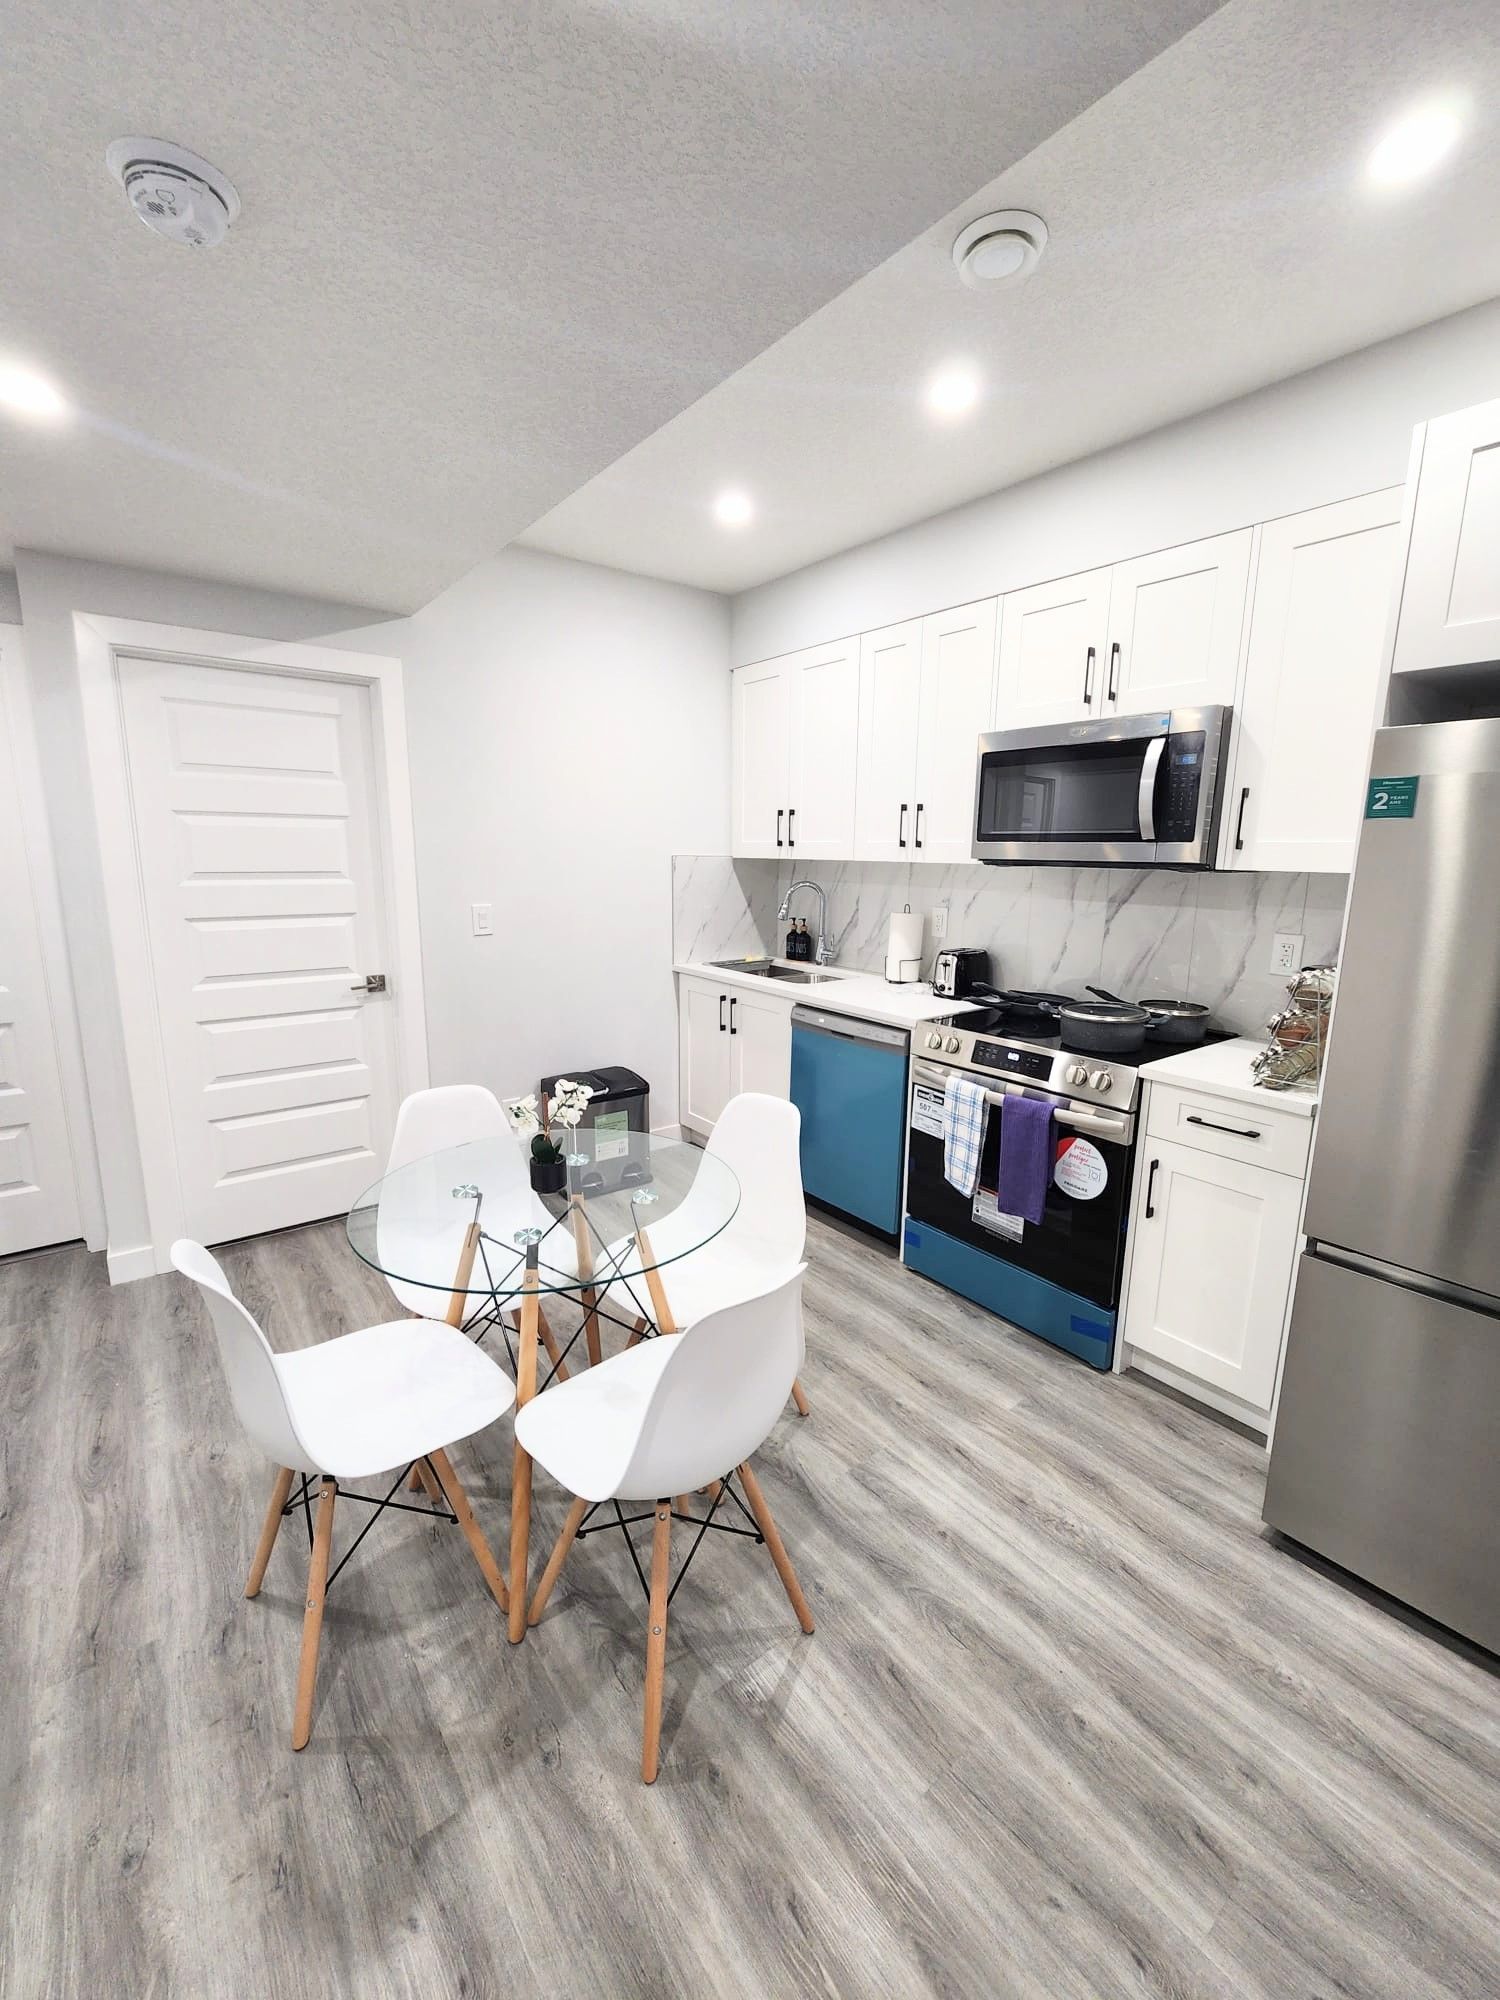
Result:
[[1079, 1243], [1126, 791]]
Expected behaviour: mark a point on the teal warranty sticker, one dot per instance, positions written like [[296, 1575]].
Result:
[[1391, 798]]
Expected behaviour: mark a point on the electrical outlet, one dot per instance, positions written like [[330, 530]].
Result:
[[483, 917], [1286, 952], [940, 922]]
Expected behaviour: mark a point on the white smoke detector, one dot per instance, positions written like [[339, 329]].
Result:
[[999, 247], [174, 192]]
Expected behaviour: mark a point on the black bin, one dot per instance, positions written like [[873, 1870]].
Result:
[[620, 1105]]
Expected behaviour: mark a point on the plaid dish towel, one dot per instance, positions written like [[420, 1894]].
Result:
[[964, 1111]]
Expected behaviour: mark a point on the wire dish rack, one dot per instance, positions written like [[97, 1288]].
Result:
[[1293, 1059]]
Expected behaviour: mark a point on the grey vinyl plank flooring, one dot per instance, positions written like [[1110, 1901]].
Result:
[[1072, 1723]]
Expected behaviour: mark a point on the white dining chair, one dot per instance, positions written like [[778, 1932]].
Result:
[[662, 1419], [759, 1138], [384, 1398]]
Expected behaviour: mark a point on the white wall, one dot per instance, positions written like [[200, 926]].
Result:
[[10, 598], [569, 731], [1336, 431]]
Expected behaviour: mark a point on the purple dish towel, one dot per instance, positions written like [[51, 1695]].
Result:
[[1025, 1156]]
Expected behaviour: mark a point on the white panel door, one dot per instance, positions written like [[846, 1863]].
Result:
[[761, 737], [254, 803], [1450, 605], [1052, 641], [1214, 1243], [1176, 620], [825, 751], [705, 1054], [1313, 678], [890, 684], [760, 1034], [38, 1199], [958, 700]]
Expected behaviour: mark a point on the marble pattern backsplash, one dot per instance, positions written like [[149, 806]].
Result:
[[1142, 932]]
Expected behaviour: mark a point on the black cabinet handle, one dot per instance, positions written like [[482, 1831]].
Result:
[[1114, 669], [733, 1003], [1238, 1131], [780, 815], [1239, 825], [920, 803], [1150, 1185], [1088, 677], [901, 828], [722, 998], [791, 837]]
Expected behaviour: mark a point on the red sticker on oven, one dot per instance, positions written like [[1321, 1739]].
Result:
[[1080, 1169]]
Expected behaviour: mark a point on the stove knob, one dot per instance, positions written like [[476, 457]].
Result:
[[1075, 1073], [934, 1041], [1102, 1080], [952, 1045]]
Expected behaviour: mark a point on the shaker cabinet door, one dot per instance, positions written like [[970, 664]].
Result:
[[1052, 644], [1450, 602], [1176, 619], [761, 750], [958, 700], [705, 1054], [890, 694], [761, 1043], [824, 755]]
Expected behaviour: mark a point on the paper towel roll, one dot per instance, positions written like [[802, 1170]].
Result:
[[903, 947]]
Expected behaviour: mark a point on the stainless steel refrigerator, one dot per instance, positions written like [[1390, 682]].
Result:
[[1386, 1454]]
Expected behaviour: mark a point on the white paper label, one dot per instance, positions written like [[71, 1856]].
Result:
[[989, 1215], [1080, 1170], [927, 1111]]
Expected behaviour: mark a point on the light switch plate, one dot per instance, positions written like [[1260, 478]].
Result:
[[1286, 952], [483, 918], [940, 921]]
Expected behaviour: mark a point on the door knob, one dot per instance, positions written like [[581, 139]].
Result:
[[373, 982]]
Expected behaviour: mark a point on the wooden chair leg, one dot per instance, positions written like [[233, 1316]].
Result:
[[799, 1397], [775, 1544], [458, 1500], [549, 1341], [269, 1528], [555, 1561], [656, 1640], [422, 1480], [635, 1332], [312, 1617]]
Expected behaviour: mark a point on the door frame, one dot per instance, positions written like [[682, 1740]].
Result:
[[102, 644]]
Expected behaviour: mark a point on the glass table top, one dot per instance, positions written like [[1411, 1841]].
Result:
[[412, 1223]]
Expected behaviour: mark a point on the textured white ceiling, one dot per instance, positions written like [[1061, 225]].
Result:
[[484, 250], [1211, 232]]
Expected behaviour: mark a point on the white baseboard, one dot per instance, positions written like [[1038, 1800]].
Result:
[[125, 1266]]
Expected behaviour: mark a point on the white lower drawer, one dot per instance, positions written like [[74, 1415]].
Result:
[[1253, 1133]]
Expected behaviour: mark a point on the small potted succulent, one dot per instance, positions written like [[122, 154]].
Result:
[[542, 1123]]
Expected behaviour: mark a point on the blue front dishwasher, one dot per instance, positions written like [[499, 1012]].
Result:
[[849, 1083]]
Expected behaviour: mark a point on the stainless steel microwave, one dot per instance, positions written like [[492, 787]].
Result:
[[1128, 791]]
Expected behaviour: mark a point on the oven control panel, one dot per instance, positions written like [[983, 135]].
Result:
[[1016, 1062]]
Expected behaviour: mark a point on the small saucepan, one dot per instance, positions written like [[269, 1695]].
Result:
[[1179, 1024]]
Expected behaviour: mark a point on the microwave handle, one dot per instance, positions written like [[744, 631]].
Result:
[[1145, 803]]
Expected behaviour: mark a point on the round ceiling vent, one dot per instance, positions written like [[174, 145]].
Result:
[[174, 192], [999, 247]]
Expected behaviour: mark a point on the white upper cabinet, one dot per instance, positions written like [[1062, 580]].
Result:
[[1176, 620], [824, 751], [890, 701], [1053, 638], [794, 748], [761, 741], [958, 704], [1450, 600], [1313, 673]]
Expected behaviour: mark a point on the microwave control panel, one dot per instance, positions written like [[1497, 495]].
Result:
[[1177, 818]]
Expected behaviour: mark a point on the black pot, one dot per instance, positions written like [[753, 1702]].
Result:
[[549, 1176], [1104, 1028], [1178, 1024]]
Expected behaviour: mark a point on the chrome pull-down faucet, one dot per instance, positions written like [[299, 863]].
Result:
[[823, 949]]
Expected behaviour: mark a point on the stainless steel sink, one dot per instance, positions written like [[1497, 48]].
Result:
[[767, 968]]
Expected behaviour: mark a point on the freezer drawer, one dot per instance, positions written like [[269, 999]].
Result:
[[1386, 1456]]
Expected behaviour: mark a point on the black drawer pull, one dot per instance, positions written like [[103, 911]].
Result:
[[901, 829], [1114, 670], [733, 1003], [1150, 1186], [722, 998], [1239, 825], [919, 822], [780, 815], [1088, 677], [791, 838], [1236, 1131]]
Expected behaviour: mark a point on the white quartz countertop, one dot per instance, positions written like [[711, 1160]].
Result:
[[1223, 1069], [864, 994]]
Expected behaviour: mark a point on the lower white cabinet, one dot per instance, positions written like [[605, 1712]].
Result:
[[1214, 1244], [728, 1040]]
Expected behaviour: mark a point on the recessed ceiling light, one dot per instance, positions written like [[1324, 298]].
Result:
[[997, 247], [953, 391], [734, 509], [28, 394], [1418, 141]]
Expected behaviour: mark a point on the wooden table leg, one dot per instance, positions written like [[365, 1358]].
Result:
[[520, 1482], [458, 1306], [583, 1243], [549, 1341], [664, 1320]]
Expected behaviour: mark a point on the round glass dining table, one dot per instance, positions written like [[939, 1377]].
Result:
[[461, 1235]]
